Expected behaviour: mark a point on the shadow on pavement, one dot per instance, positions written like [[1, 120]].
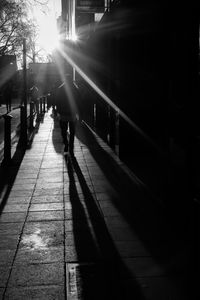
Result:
[[8, 173], [9, 170], [56, 136], [100, 279]]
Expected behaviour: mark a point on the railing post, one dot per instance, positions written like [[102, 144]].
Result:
[[44, 101], [37, 107], [31, 114], [40, 105], [112, 127], [48, 101], [24, 110], [23, 126], [7, 138]]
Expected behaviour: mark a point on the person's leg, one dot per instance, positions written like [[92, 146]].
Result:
[[54, 107], [37, 107], [64, 127], [72, 126], [9, 104]]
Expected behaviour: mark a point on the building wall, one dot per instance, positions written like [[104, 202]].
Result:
[[144, 56]]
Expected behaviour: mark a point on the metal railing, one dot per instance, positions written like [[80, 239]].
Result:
[[36, 111]]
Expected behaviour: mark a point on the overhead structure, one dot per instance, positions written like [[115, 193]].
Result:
[[75, 12], [90, 6]]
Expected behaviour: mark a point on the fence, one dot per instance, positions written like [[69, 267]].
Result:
[[36, 111]]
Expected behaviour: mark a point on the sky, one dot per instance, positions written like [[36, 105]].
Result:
[[46, 19], [53, 6]]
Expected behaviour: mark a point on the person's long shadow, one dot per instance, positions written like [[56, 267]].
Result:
[[9, 170], [154, 225], [93, 244], [8, 173], [32, 133]]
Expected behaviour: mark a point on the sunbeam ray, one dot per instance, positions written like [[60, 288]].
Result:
[[109, 101]]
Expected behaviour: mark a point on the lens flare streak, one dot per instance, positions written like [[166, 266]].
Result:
[[109, 101]]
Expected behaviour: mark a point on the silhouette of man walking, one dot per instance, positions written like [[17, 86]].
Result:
[[35, 97], [66, 97], [8, 95]]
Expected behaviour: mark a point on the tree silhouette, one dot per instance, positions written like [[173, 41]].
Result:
[[16, 25]]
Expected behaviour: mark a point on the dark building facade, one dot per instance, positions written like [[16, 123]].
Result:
[[143, 56]]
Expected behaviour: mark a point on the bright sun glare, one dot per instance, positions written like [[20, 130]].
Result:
[[48, 35]]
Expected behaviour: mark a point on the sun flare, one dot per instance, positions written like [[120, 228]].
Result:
[[47, 31], [48, 35]]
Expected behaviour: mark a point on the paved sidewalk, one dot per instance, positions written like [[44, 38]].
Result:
[[85, 227]]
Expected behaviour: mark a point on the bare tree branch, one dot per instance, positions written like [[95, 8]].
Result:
[[15, 25]]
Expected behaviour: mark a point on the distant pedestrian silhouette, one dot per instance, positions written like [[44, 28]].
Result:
[[53, 99], [66, 97], [8, 95], [35, 97]]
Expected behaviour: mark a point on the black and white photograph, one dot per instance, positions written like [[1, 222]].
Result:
[[99, 150]]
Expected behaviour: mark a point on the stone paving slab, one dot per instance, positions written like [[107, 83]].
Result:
[[36, 292], [30, 174], [52, 215], [10, 228], [7, 217], [9, 241], [6, 257], [19, 200], [15, 208], [49, 191], [4, 274], [46, 206], [47, 199], [53, 228], [37, 274], [39, 255], [56, 178], [24, 181], [21, 193]]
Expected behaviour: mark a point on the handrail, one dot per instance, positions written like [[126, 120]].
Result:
[[23, 128], [8, 112], [16, 107], [159, 149]]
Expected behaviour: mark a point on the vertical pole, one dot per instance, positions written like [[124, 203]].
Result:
[[31, 114], [65, 18], [40, 106], [73, 20], [7, 138], [24, 124], [44, 103]]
